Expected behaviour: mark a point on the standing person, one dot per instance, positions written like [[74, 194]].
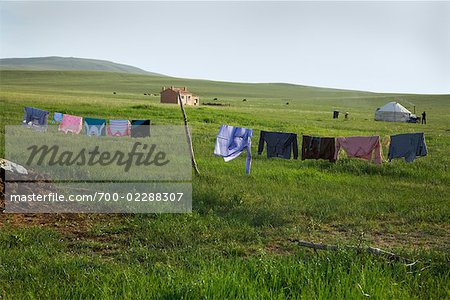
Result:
[[424, 118]]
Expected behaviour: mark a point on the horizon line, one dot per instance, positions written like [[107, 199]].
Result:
[[217, 80]]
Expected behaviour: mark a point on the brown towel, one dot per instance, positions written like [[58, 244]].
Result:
[[318, 148]]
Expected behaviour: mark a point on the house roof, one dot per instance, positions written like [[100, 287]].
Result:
[[178, 90]]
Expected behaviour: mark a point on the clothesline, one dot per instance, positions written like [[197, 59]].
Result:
[[232, 141], [38, 119]]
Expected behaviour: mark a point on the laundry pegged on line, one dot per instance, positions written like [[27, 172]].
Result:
[[279, 144], [57, 118], [407, 145], [70, 123], [318, 148], [35, 118], [363, 147], [232, 141], [140, 128], [95, 127], [119, 128]]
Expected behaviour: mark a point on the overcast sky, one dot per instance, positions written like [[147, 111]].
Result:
[[375, 46]]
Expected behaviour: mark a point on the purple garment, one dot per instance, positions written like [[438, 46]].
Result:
[[232, 141], [35, 118]]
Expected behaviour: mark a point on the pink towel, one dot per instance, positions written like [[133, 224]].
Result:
[[71, 123], [360, 146]]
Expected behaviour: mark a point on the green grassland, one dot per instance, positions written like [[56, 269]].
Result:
[[237, 242]]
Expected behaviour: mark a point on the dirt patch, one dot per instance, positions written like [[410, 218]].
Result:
[[74, 224], [402, 236]]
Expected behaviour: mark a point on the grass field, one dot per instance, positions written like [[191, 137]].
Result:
[[237, 241]]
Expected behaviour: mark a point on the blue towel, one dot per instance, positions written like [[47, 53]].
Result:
[[407, 145], [95, 127], [57, 117]]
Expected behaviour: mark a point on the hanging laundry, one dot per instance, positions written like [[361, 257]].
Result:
[[70, 123], [140, 128], [35, 118], [318, 148], [119, 128], [96, 127], [363, 147], [232, 141], [57, 117], [279, 144], [407, 145]]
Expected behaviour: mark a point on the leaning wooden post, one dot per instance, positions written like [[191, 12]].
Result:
[[188, 137]]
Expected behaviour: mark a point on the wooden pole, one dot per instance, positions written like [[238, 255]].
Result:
[[371, 250], [188, 137]]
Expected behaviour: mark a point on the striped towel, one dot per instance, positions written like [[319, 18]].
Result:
[[119, 128]]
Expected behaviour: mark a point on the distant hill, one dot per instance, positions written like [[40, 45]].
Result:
[[69, 63], [107, 82]]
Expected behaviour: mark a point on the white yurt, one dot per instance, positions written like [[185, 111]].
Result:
[[392, 112]]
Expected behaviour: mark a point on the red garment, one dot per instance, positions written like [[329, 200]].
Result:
[[360, 146]]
